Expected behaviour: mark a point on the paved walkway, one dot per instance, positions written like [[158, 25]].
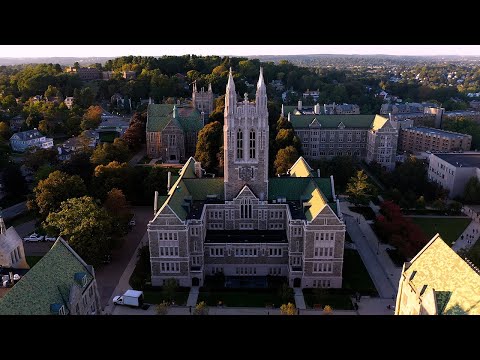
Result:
[[213, 310], [299, 299], [193, 296], [123, 284], [138, 156], [468, 238]]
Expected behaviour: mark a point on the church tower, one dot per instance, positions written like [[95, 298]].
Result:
[[202, 100], [245, 141]]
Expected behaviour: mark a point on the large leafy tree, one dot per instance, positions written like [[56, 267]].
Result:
[[285, 159], [208, 145], [471, 194], [359, 189], [106, 153], [113, 175], [117, 206], [85, 226], [35, 158], [92, 117], [58, 187]]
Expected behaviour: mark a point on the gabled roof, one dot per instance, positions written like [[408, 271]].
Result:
[[28, 135], [301, 169], [9, 241], [455, 283], [332, 121], [49, 282], [160, 115], [379, 122]]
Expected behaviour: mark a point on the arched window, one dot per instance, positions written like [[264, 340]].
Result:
[[252, 144], [239, 144]]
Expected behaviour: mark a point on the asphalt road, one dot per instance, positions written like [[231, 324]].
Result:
[[109, 275], [14, 210]]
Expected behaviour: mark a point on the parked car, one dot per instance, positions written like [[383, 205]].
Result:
[[50, 238], [33, 237]]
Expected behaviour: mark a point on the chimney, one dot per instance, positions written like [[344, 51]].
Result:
[[390, 116], [198, 169], [169, 181], [316, 109], [318, 172], [282, 113], [332, 184], [299, 105], [155, 203], [288, 118], [339, 213]]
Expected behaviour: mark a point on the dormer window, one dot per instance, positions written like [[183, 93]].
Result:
[[84, 281], [62, 310]]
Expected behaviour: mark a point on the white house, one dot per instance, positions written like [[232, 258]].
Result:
[[32, 138]]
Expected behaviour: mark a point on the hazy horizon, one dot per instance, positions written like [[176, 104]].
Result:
[[85, 51]]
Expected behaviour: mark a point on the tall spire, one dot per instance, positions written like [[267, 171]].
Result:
[[261, 97], [261, 82], [210, 87], [230, 95]]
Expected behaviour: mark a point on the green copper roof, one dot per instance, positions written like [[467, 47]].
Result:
[[159, 115], [332, 121], [47, 284], [200, 188], [294, 187]]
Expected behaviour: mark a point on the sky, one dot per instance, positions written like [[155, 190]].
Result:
[[22, 51]]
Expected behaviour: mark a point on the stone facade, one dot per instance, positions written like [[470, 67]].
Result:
[[172, 132], [382, 142], [203, 100], [245, 224], [12, 254]]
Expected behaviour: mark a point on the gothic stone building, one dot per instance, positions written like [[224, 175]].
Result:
[[368, 137], [247, 225], [203, 100], [172, 131]]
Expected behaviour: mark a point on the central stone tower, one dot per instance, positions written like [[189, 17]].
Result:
[[245, 141]]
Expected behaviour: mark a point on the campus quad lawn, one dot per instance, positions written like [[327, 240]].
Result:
[[242, 298], [448, 228], [108, 136], [338, 300], [158, 296], [355, 275]]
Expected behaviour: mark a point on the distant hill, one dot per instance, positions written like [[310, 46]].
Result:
[[54, 60]]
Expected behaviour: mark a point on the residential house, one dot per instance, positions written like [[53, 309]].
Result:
[[69, 101], [21, 141]]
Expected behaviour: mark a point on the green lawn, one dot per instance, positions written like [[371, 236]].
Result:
[[246, 298], [355, 275], [324, 297], [157, 297], [108, 136], [449, 228], [474, 254], [32, 260], [366, 211]]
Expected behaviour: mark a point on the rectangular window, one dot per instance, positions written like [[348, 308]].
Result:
[[195, 260], [170, 267], [216, 252], [171, 140], [252, 144], [239, 144], [275, 252]]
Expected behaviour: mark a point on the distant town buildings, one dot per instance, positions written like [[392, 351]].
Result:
[[61, 283], [438, 282], [313, 94], [417, 139], [21, 141], [369, 137], [453, 171], [85, 73]]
